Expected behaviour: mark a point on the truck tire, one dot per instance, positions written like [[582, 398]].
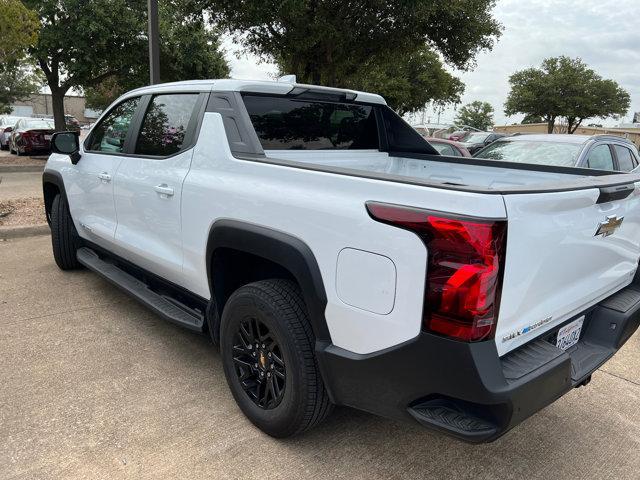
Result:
[[64, 238], [267, 347]]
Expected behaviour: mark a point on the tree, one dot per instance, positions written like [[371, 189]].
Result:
[[342, 43], [188, 50], [476, 114], [18, 30], [17, 82], [83, 42], [409, 81], [564, 87]]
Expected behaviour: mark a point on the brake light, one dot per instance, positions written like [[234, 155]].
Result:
[[464, 268]]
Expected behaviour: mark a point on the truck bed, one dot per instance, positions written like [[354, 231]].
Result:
[[469, 174]]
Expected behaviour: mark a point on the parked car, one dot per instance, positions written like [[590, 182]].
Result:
[[30, 135], [604, 152], [71, 123], [474, 141], [458, 135], [448, 148], [6, 126], [335, 258]]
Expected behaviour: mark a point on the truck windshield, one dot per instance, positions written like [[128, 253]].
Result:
[[537, 152], [283, 123]]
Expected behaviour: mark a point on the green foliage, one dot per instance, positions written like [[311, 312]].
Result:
[[565, 87], [409, 80], [476, 114], [343, 43], [18, 30], [188, 51], [531, 118], [17, 82], [84, 43]]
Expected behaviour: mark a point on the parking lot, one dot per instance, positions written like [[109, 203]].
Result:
[[96, 386]]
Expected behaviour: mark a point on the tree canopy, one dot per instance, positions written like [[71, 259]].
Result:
[[18, 30], [565, 88], [83, 43], [342, 43], [476, 114], [188, 50]]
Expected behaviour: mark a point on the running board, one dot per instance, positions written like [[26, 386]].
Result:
[[167, 308]]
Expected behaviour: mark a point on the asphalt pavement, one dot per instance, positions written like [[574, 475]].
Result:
[[93, 385]]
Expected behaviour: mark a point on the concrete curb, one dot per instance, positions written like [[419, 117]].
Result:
[[21, 168], [21, 232]]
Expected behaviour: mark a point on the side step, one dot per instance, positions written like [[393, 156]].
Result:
[[168, 309]]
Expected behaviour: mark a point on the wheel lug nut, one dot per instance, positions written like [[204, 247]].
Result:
[[269, 354], [255, 365], [268, 374], [254, 354], [263, 345], [272, 367]]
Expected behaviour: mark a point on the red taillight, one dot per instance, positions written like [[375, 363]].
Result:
[[464, 268]]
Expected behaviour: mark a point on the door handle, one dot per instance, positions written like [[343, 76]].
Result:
[[164, 190], [105, 177]]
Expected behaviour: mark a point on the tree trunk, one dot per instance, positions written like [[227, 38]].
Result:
[[551, 122], [57, 103]]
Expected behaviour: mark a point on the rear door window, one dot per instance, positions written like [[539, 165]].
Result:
[[283, 123], [165, 123], [600, 157], [626, 159]]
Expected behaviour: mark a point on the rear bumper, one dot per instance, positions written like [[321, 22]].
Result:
[[466, 389]]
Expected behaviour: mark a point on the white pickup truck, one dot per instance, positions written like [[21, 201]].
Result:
[[336, 258]]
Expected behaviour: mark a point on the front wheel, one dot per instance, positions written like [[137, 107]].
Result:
[[64, 238], [268, 357]]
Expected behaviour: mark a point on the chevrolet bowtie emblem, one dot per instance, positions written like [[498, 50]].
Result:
[[609, 226]]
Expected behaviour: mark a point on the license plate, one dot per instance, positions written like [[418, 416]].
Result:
[[47, 137], [569, 335]]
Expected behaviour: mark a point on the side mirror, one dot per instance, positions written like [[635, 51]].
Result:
[[66, 143]]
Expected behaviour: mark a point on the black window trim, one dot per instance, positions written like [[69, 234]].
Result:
[[193, 128]]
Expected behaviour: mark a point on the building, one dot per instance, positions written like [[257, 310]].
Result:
[[632, 134], [40, 104]]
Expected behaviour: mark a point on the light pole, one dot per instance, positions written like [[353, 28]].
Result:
[[154, 43]]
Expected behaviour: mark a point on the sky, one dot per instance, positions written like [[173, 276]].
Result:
[[604, 33]]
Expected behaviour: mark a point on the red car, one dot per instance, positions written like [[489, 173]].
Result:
[[30, 135], [448, 147]]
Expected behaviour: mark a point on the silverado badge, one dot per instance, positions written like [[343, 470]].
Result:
[[609, 226]]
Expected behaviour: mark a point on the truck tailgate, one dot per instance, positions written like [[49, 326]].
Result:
[[566, 251]]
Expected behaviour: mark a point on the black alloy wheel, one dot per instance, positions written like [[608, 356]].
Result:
[[259, 363]]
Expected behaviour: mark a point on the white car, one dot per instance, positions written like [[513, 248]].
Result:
[[336, 258], [7, 123]]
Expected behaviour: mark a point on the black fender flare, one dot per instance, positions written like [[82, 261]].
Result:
[[53, 178], [278, 247]]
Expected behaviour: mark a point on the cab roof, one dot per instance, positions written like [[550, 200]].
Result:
[[254, 86]]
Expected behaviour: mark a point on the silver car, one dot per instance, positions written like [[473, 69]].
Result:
[[602, 152], [7, 123]]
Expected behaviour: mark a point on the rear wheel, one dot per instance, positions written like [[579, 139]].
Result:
[[268, 356], [64, 238]]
